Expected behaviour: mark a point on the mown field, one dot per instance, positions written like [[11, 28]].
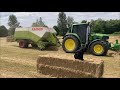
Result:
[[16, 62]]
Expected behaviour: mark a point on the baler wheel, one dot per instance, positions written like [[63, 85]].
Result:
[[23, 44]]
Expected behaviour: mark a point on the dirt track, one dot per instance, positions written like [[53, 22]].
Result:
[[16, 62]]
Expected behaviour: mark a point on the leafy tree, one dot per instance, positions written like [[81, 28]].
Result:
[[11, 31], [75, 23], [84, 21], [57, 30], [99, 26], [39, 23], [34, 25], [3, 31], [106, 27], [62, 23], [70, 21], [20, 26], [13, 23]]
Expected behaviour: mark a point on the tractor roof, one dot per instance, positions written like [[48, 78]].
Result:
[[80, 23]]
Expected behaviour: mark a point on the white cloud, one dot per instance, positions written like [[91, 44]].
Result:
[[22, 14], [78, 16], [50, 18]]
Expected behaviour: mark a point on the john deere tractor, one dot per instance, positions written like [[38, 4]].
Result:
[[80, 35]]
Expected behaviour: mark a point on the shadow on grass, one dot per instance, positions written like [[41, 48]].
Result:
[[88, 53], [108, 56]]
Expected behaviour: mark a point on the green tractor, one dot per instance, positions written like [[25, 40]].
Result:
[[80, 35]]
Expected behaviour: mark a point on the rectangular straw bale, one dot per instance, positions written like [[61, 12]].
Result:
[[95, 68], [61, 72]]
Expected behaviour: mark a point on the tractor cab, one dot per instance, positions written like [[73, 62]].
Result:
[[82, 30]]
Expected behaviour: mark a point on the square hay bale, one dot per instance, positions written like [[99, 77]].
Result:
[[95, 68], [61, 72]]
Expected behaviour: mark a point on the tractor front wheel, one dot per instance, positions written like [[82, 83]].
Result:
[[99, 48], [70, 44]]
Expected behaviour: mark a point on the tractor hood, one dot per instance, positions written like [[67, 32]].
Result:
[[100, 36]]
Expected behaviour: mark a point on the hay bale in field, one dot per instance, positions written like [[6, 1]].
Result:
[[61, 72], [46, 62]]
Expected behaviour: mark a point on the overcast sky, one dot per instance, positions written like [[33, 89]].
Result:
[[50, 18]]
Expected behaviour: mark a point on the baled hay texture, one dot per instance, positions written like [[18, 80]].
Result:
[[94, 68], [61, 72]]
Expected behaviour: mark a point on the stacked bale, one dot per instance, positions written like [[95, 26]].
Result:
[[69, 68]]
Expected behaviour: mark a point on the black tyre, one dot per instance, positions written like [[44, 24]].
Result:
[[23, 43], [70, 44], [99, 48], [34, 45]]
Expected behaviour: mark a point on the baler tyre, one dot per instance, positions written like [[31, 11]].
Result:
[[70, 44], [99, 48], [23, 44]]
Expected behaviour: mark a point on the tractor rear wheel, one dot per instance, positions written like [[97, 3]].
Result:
[[99, 48], [70, 44], [23, 44]]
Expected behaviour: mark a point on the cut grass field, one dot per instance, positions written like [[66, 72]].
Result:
[[17, 62], [114, 35]]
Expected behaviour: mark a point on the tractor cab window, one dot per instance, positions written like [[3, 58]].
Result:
[[81, 31]]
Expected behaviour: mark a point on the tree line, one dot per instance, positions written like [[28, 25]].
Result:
[[97, 26], [64, 24], [106, 27], [12, 23]]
